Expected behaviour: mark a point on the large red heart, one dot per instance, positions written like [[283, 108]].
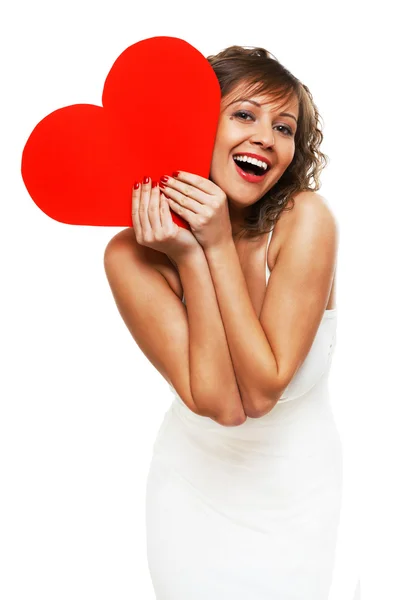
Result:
[[161, 103]]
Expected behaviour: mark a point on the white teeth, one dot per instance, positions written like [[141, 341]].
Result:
[[253, 161]]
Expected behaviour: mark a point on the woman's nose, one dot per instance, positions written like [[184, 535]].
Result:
[[263, 135]]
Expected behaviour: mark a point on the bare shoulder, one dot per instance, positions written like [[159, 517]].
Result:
[[125, 241], [312, 206], [314, 218], [309, 209]]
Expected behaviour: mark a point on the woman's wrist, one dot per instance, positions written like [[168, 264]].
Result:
[[186, 257]]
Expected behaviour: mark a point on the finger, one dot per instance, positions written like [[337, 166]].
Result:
[[193, 206], [187, 195], [196, 181], [154, 207], [165, 213], [144, 207], [186, 214], [135, 209]]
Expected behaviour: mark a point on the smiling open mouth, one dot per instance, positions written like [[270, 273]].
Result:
[[251, 165]]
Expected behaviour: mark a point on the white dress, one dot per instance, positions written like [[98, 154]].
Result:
[[249, 512]]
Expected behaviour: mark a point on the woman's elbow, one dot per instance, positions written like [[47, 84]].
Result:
[[233, 419], [259, 407]]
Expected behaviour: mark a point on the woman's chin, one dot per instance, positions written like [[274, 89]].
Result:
[[240, 202]]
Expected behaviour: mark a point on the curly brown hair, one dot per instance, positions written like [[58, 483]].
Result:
[[263, 73]]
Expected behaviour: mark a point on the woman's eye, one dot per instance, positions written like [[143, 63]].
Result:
[[242, 114], [288, 130], [245, 116]]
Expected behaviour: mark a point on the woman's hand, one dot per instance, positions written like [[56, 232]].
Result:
[[153, 224], [202, 204]]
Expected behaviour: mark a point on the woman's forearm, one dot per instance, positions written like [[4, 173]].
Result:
[[252, 357], [212, 376]]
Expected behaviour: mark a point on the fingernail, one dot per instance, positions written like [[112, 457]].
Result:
[[146, 179], [162, 185], [175, 174], [136, 185], [164, 179], [154, 184]]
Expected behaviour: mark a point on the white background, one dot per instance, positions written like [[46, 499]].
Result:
[[80, 404]]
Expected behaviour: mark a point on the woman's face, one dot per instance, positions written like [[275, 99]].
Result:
[[253, 125]]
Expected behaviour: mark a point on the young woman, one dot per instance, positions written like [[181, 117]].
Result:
[[244, 488]]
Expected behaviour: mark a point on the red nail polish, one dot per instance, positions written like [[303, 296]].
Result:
[[162, 186], [175, 174], [164, 179], [136, 185], [146, 179], [154, 184]]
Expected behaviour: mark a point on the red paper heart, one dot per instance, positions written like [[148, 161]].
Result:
[[161, 103]]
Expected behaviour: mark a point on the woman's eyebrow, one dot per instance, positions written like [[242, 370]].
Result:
[[282, 114]]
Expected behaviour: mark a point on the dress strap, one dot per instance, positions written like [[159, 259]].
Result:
[[267, 271], [270, 236]]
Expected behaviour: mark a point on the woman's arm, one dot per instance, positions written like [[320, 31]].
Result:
[[212, 376], [158, 321], [267, 353]]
